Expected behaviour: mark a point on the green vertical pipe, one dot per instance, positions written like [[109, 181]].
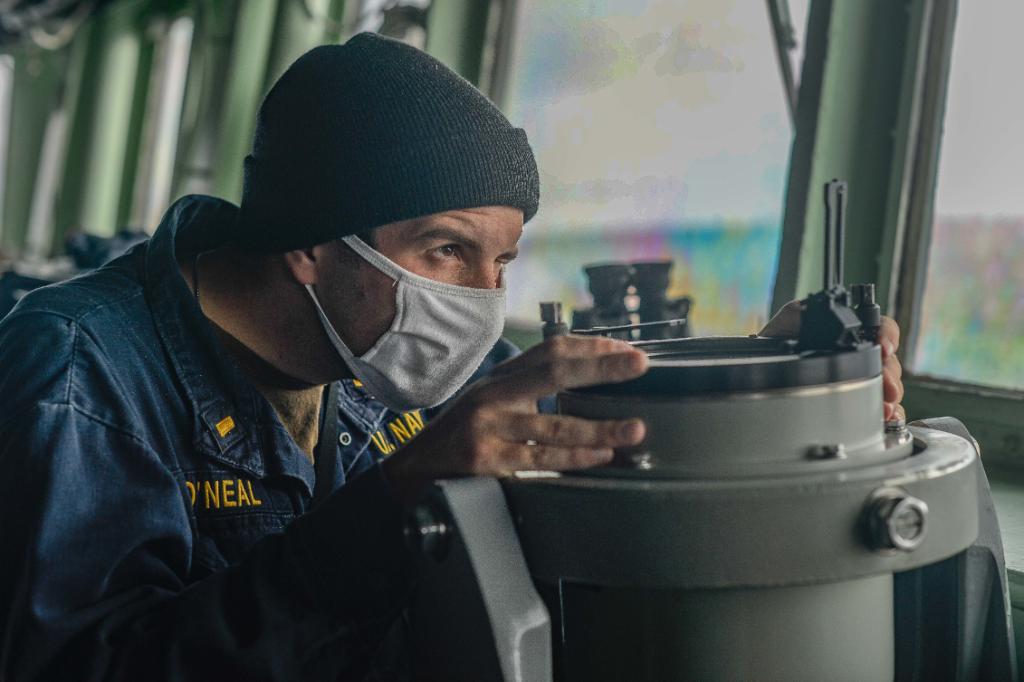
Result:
[[38, 76], [851, 107], [456, 32], [133, 135], [205, 86], [250, 50], [108, 99], [82, 64], [299, 27], [335, 27]]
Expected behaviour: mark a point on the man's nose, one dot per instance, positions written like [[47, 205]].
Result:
[[487, 277]]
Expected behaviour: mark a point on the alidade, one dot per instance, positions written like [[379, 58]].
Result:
[[771, 526]]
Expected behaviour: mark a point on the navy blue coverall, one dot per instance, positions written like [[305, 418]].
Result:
[[156, 518]]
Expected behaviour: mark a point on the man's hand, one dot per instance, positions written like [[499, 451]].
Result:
[[493, 428], [786, 323], [892, 370]]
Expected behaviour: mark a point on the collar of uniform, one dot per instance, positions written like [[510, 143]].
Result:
[[361, 406], [233, 423]]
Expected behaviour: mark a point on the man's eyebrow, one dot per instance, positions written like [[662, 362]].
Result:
[[445, 233], [441, 232]]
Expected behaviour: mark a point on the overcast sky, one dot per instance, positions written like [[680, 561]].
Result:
[[982, 164]]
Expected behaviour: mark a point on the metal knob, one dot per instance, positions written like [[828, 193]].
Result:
[[551, 316], [895, 520], [867, 309], [428, 531], [551, 312]]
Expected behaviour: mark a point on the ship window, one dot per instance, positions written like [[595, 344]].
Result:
[[971, 317], [661, 131]]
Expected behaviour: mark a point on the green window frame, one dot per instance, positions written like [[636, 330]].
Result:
[[870, 110]]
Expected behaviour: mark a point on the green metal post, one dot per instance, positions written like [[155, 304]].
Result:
[[38, 76], [133, 135], [82, 62], [250, 50], [334, 29], [100, 133], [456, 31], [205, 86], [852, 122], [298, 28]]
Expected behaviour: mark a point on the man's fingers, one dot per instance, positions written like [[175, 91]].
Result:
[[892, 370], [572, 431], [559, 373], [522, 457], [564, 373], [889, 336], [894, 411], [892, 388], [893, 367]]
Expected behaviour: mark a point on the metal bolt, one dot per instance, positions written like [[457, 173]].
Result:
[[428, 531], [896, 426], [827, 451], [896, 520]]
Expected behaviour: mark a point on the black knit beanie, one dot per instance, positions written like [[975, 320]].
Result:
[[374, 131]]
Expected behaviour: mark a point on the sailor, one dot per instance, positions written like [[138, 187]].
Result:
[[209, 444]]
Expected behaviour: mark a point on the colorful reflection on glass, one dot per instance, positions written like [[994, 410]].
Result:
[[727, 270], [972, 317], [661, 131]]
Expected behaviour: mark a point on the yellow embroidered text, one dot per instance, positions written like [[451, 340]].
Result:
[[222, 494]]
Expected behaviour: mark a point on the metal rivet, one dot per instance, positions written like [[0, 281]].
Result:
[[345, 438]]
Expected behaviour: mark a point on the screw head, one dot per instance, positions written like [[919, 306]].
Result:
[[896, 520], [896, 426]]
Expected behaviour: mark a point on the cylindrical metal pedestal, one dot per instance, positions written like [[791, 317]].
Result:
[[838, 631], [756, 532]]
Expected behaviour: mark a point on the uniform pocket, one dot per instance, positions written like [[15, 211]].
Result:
[[224, 540], [232, 513]]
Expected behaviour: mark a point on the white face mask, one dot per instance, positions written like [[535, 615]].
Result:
[[440, 335]]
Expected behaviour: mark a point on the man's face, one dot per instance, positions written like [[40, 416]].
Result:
[[467, 247]]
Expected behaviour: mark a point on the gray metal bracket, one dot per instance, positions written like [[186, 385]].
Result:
[[477, 615], [971, 637]]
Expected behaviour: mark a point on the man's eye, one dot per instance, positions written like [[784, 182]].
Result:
[[448, 250]]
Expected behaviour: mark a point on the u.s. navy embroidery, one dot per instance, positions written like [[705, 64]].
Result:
[[397, 432], [223, 493]]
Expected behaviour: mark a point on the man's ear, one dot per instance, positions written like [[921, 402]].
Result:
[[304, 264]]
